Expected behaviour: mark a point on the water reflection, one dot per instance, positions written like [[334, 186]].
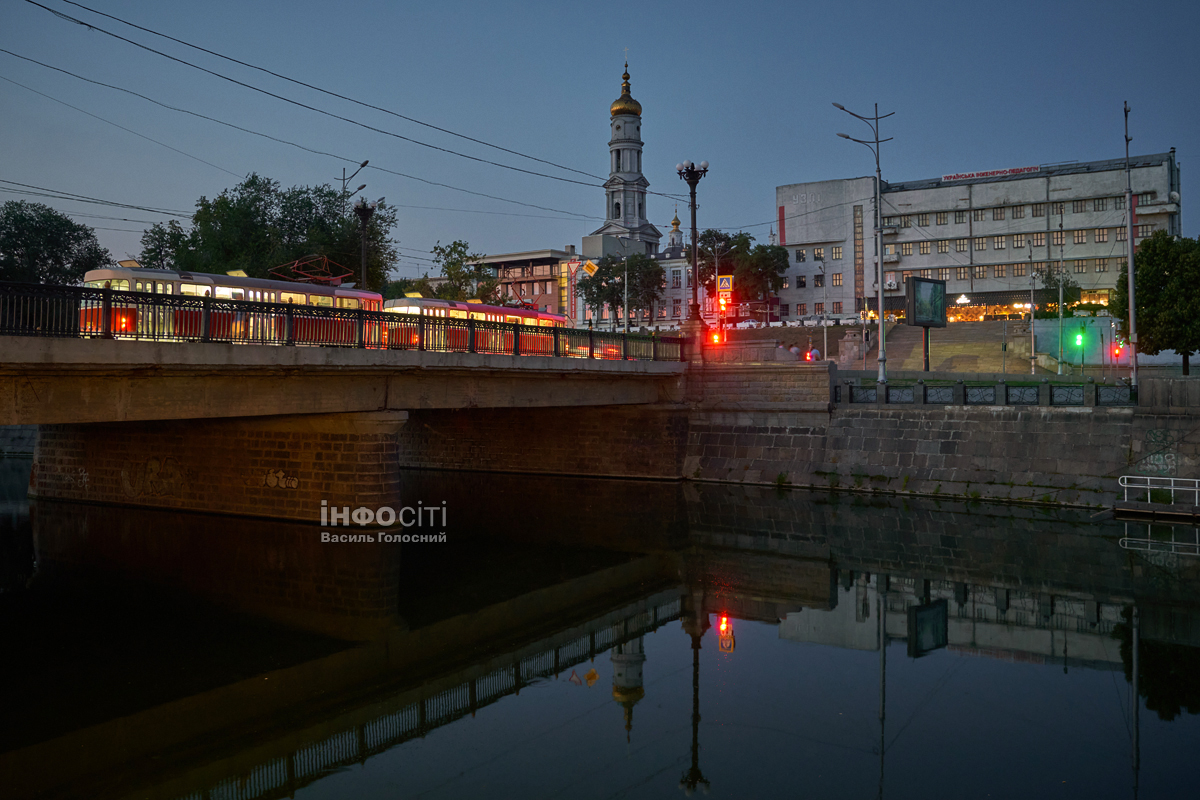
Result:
[[546, 648]]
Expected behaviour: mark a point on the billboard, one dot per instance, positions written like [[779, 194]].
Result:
[[925, 302]]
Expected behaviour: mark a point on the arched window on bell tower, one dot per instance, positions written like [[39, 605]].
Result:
[[616, 210]]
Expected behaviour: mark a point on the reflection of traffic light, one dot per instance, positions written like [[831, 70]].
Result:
[[716, 338], [724, 625]]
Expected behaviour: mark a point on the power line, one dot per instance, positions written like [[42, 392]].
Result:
[[330, 93], [122, 127], [299, 104], [41, 191], [285, 141]]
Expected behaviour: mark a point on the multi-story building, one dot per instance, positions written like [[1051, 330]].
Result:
[[986, 234]]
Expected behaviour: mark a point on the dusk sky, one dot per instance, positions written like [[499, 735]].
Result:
[[747, 86]]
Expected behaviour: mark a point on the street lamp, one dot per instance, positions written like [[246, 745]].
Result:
[[824, 307], [691, 174], [346, 180], [873, 146], [365, 211], [625, 280]]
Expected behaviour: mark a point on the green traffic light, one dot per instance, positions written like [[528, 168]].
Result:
[[1079, 340]]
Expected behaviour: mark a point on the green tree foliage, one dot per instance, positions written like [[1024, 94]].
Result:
[[604, 288], [1167, 273], [759, 274], [647, 279], [256, 225], [466, 278], [723, 250], [40, 245], [1047, 296]]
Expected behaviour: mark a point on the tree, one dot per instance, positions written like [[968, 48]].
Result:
[[1048, 294], [720, 250], [604, 288], [256, 226], [466, 278], [1167, 272], [647, 279], [759, 273], [41, 245]]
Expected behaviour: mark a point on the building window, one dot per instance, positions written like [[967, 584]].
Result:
[[676, 278], [1144, 198], [980, 272], [1060, 238], [783, 309], [927, 274], [923, 248], [837, 279], [905, 221], [1100, 204], [906, 274], [942, 217], [923, 220], [1122, 234], [1058, 209], [1081, 265], [676, 307], [1079, 237], [998, 213], [980, 243], [837, 306], [944, 246], [1121, 262], [1100, 235], [801, 309], [962, 273], [785, 283], [837, 252], [960, 245], [1145, 230], [1037, 239], [801, 280], [960, 217], [1039, 209], [977, 215], [944, 274], [818, 254], [1101, 265], [616, 210], [1118, 203], [1018, 212], [818, 281], [799, 256], [1078, 206], [1018, 241], [999, 270], [998, 242], [906, 249], [662, 312], [818, 308], [1018, 270]]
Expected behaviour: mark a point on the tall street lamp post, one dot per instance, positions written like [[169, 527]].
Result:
[[873, 145], [365, 211], [691, 174], [346, 180], [625, 281], [824, 307]]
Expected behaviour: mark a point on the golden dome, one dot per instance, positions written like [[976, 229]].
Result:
[[675, 222], [625, 104]]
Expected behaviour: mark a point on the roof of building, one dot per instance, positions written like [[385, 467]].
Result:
[[549, 256], [1043, 170], [625, 104]]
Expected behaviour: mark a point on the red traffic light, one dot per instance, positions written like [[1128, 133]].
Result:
[[808, 356]]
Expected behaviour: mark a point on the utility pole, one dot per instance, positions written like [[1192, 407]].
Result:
[[1062, 245], [824, 307], [1032, 311], [346, 180], [1133, 365]]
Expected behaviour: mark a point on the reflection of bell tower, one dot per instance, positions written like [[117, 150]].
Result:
[[627, 660]]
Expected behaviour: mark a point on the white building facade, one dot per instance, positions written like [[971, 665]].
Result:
[[985, 234]]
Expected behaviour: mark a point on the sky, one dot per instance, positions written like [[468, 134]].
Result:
[[749, 87]]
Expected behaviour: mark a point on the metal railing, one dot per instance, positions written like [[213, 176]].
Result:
[[1151, 487], [80, 312], [974, 393], [1176, 541]]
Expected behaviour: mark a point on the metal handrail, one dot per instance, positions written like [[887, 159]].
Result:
[[1146, 483], [85, 312]]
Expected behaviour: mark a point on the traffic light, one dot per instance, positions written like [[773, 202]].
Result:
[[1079, 340], [808, 355]]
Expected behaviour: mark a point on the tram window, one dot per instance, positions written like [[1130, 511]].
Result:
[[226, 293], [347, 302], [191, 289], [170, 288], [293, 297], [139, 286], [320, 300], [458, 314]]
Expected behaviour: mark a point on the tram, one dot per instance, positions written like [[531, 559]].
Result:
[[488, 338], [133, 320]]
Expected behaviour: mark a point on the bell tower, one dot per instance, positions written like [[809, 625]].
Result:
[[625, 189]]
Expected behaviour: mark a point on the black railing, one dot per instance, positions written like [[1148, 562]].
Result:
[[78, 312]]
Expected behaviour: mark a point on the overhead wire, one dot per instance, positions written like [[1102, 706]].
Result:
[[41, 191], [314, 151]]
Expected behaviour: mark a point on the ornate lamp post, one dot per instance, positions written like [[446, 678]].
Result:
[[365, 211], [346, 180], [691, 175], [873, 145]]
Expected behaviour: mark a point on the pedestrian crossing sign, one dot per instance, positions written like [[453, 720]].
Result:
[[724, 283]]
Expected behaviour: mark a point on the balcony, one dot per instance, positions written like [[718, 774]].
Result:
[[891, 258]]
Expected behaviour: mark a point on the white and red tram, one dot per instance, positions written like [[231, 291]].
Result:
[[488, 339]]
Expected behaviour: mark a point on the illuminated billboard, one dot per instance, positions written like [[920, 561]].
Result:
[[925, 302]]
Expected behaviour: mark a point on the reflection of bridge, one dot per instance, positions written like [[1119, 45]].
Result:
[[367, 732]]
